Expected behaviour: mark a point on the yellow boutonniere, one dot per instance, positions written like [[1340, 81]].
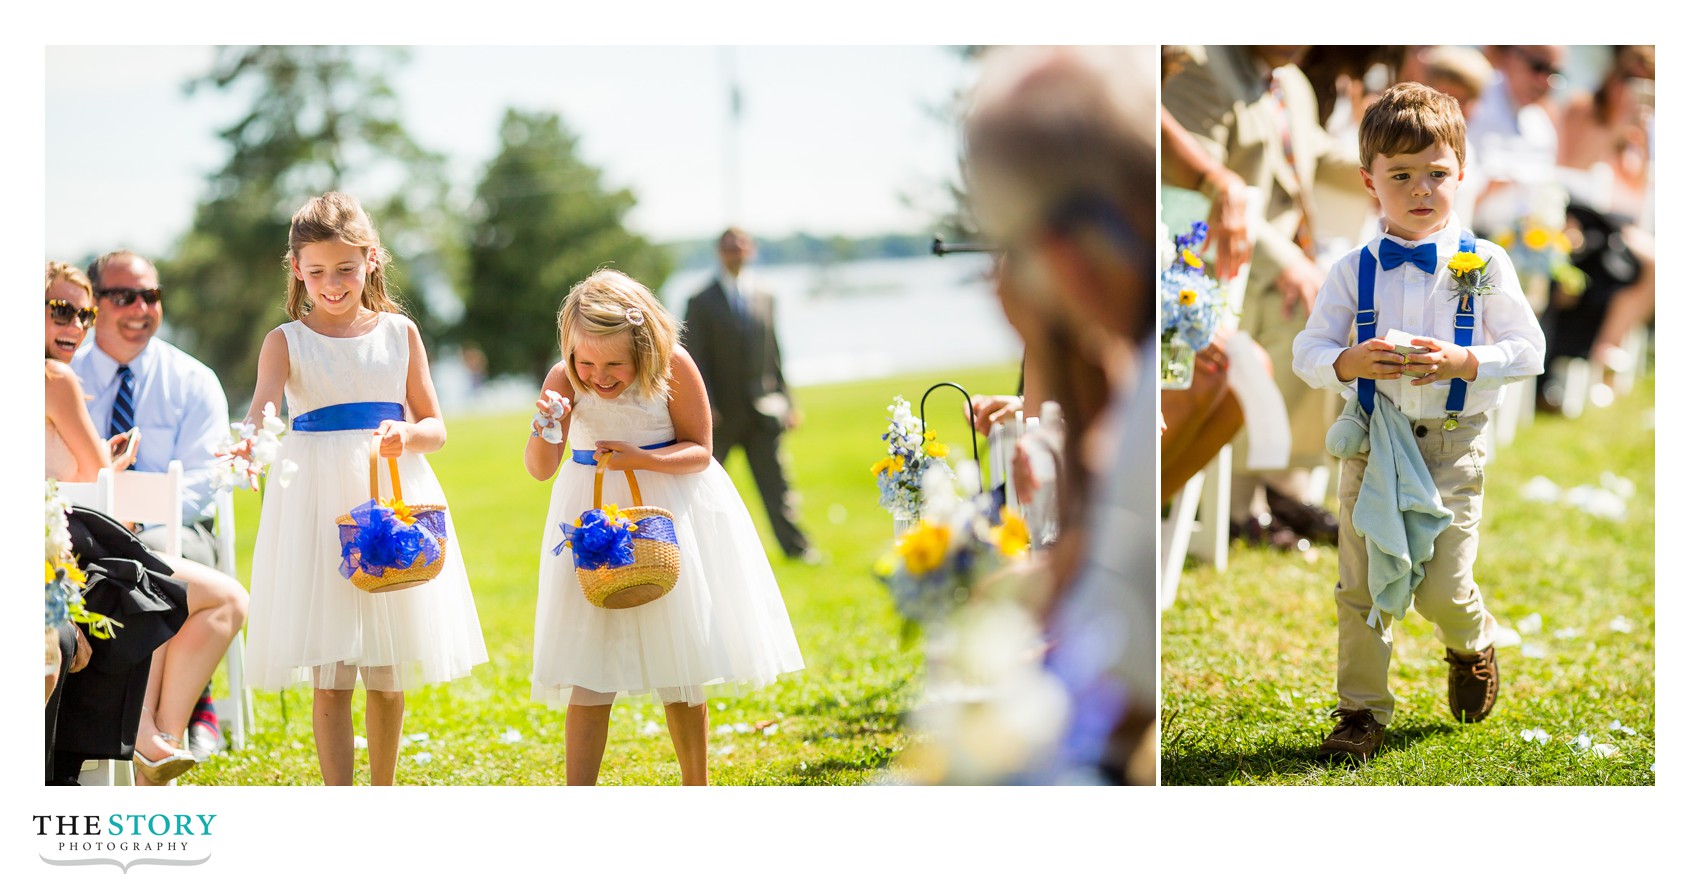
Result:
[[1465, 262]]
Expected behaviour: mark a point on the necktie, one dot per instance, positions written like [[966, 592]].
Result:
[[1393, 255], [124, 406]]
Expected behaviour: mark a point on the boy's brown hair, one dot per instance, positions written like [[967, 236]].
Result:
[[1408, 118]]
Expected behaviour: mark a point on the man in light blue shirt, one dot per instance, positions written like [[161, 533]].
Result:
[[137, 381]]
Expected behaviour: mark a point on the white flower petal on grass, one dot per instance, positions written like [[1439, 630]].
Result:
[[1541, 490], [419, 736], [1534, 650], [651, 728], [725, 751], [1536, 735], [1506, 637], [720, 705], [1582, 742], [422, 757], [769, 731], [723, 730], [359, 743], [1566, 633], [1621, 624], [511, 736], [1620, 727], [1603, 750], [742, 728], [1530, 625], [1617, 484]]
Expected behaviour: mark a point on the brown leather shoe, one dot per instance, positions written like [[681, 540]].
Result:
[[1356, 736], [1473, 685]]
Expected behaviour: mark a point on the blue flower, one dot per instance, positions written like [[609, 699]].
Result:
[[598, 543], [381, 541]]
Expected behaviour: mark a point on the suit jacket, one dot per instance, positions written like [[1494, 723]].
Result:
[[101, 704], [1219, 94], [739, 360]]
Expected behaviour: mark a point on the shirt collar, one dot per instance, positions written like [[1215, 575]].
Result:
[[730, 282], [105, 366], [1448, 234]]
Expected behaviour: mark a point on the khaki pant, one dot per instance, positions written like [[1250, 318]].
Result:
[[1448, 596]]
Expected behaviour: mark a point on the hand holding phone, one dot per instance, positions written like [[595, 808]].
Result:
[[124, 448]]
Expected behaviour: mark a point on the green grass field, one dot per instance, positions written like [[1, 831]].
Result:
[[839, 721], [1248, 654]]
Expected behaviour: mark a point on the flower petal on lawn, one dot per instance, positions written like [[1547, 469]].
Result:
[[1530, 625], [1621, 624], [1534, 650], [422, 757], [1506, 637], [1537, 735], [1620, 727], [359, 743], [1541, 490], [1603, 750], [511, 736]]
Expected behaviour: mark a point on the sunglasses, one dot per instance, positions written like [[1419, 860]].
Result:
[[63, 312], [123, 296], [1538, 65]]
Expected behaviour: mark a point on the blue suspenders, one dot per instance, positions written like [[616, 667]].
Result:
[[1463, 330]]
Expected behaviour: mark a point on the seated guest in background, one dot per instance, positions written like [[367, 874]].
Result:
[[139, 381], [216, 604]]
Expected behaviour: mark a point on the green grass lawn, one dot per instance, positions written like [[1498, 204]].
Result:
[[839, 721], [1248, 654]]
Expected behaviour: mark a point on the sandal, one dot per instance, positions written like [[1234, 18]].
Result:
[[165, 769]]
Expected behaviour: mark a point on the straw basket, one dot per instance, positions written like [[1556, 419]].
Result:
[[653, 573], [432, 518]]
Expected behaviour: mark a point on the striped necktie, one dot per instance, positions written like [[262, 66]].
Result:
[[124, 406]]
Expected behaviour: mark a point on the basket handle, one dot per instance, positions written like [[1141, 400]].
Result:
[[631, 480], [395, 471]]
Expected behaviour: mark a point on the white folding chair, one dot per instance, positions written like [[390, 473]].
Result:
[[147, 498], [236, 710], [1204, 500]]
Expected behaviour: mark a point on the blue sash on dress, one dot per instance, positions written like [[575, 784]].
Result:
[[588, 458], [350, 415]]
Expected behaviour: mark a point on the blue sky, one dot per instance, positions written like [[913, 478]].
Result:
[[831, 139]]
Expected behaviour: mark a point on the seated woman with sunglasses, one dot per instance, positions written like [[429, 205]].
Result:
[[217, 604]]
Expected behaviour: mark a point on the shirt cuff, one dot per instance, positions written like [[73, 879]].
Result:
[[1492, 364]]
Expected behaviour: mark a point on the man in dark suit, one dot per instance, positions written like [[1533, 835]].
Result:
[[729, 331]]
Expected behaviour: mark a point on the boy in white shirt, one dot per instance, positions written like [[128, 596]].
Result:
[[1419, 277]]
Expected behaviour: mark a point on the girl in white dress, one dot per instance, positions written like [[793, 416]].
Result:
[[351, 366], [638, 403]]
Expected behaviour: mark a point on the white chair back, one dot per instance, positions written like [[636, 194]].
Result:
[[152, 498], [95, 495]]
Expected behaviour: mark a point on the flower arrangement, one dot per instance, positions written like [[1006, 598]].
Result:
[[1536, 248], [910, 452], [386, 535], [1192, 308], [64, 579], [956, 542], [249, 452], [600, 538]]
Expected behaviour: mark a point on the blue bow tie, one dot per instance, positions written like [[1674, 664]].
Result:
[[1393, 255]]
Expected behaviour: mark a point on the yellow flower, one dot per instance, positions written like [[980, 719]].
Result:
[[1191, 258], [75, 575], [402, 510], [1463, 263], [615, 516], [1504, 240], [934, 449], [886, 566], [930, 435], [923, 548], [889, 464], [1537, 239], [1188, 297], [1011, 536], [1562, 242], [52, 575]]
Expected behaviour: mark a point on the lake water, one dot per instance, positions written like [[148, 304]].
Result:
[[837, 322]]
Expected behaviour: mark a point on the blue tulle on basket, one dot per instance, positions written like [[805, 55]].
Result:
[[598, 542], [383, 541]]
